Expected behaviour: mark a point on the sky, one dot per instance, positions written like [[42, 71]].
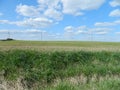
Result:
[[63, 20]]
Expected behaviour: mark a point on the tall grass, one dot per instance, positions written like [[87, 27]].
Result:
[[45, 67], [103, 85]]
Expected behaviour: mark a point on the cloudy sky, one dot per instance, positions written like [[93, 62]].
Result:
[[89, 20]]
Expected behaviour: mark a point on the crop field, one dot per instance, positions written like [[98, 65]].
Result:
[[60, 45], [59, 65]]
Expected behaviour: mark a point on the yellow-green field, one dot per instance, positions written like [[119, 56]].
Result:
[[60, 45]]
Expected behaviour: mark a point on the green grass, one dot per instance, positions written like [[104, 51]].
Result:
[[44, 68]]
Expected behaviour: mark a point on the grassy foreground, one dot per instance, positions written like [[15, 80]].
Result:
[[62, 70]]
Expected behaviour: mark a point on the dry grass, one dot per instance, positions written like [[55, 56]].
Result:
[[60, 45]]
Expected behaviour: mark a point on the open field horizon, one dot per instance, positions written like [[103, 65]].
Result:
[[60, 45]]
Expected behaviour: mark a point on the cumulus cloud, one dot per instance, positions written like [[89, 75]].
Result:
[[105, 24], [101, 30], [69, 28], [48, 12], [49, 8], [97, 31], [76, 7], [72, 31], [70, 6], [80, 32], [31, 22], [42, 15], [115, 3], [52, 9], [26, 10], [81, 28], [35, 22], [52, 13], [101, 33], [115, 13], [117, 22], [50, 3], [34, 31]]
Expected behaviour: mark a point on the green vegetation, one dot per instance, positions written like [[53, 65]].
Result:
[[43, 68], [103, 85]]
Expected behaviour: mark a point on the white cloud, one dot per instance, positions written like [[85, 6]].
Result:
[[52, 9], [80, 32], [69, 28], [78, 14], [95, 30], [4, 22], [37, 18], [48, 12], [73, 31], [75, 7], [115, 13], [49, 9], [101, 33], [1, 14], [35, 22], [117, 33], [100, 30], [117, 22], [50, 3], [52, 13], [105, 24], [4, 31], [81, 28], [26, 10], [31, 22], [115, 3], [33, 31]]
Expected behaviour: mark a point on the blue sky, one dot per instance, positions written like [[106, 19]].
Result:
[[86, 20]]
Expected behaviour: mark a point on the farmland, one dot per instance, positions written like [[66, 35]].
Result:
[[35, 65], [60, 45]]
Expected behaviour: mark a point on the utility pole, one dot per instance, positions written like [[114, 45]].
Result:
[[91, 35], [41, 35], [8, 34]]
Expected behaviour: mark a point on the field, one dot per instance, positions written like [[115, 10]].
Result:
[[34, 65], [60, 45]]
